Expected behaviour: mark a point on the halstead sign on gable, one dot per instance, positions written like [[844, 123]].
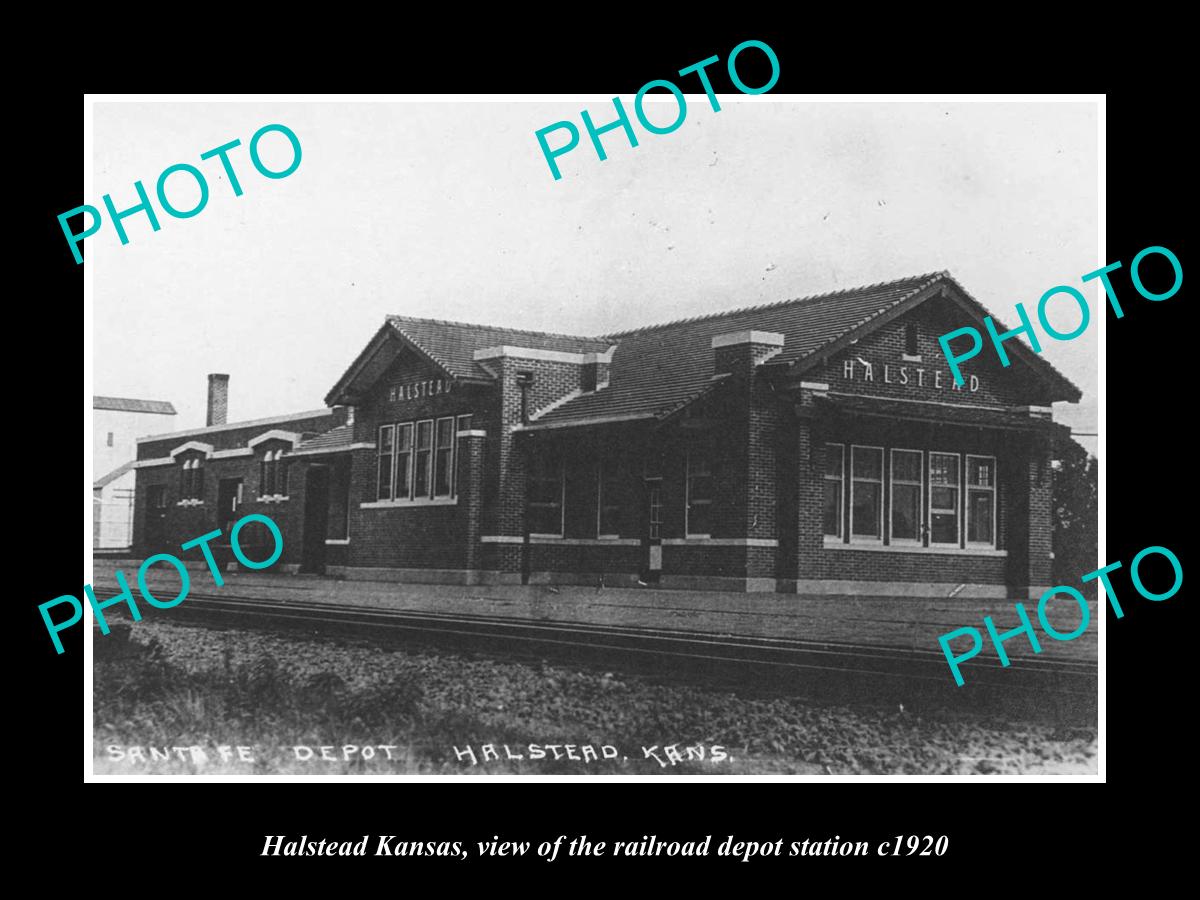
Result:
[[859, 369], [415, 390]]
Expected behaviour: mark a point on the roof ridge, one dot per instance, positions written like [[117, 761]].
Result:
[[505, 328], [923, 281]]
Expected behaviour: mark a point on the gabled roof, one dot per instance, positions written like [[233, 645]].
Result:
[[657, 370], [126, 404], [447, 346]]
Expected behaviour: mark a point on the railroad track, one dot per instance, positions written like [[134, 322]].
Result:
[[823, 670]]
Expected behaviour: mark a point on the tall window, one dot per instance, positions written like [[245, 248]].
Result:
[[156, 497], [866, 492], [906, 497], [608, 508], [910, 339], [424, 458], [110, 439], [943, 499], [191, 479], [443, 477], [404, 455], [981, 501], [699, 495], [546, 484], [834, 468], [281, 474], [386, 448]]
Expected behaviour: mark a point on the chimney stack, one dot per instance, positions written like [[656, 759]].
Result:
[[218, 399]]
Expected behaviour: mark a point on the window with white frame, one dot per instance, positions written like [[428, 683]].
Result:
[[699, 495], [424, 458], [273, 475], [834, 506], [608, 509], [906, 497], [417, 460], [385, 450], [443, 458], [546, 488], [981, 501], [404, 461], [943, 499], [191, 480], [866, 493]]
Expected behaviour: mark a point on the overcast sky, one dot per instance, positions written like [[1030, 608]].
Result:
[[448, 210]]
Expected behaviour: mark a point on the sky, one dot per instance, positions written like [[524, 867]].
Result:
[[448, 210]]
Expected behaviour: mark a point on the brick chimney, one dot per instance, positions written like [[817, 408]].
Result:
[[218, 399], [740, 351], [594, 376]]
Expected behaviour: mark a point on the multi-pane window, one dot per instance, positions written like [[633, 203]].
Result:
[[273, 475], [386, 448], [608, 509], [191, 479], [404, 457], [546, 484], [981, 500], [866, 492], [699, 495], [416, 460], [943, 499], [424, 458], [834, 463], [906, 497], [443, 470]]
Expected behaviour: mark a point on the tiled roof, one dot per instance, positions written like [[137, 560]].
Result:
[[656, 370], [126, 404], [335, 439], [453, 344]]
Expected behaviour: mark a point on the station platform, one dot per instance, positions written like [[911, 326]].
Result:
[[897, 623]]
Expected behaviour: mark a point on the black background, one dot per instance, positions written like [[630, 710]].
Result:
[[997, 832]]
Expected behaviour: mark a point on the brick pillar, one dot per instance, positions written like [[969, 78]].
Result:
[[1029, 493], [471, 447], [754, 452]]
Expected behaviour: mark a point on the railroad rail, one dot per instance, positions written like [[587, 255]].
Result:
[[822, 670]]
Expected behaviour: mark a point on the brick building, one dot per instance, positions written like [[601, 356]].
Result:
[[814, 445]]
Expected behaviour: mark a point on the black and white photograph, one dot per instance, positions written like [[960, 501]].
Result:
[[526, 437]]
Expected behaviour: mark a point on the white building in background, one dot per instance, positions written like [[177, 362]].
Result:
[[117, 422]]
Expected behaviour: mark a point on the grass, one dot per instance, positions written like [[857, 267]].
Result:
[[177, 686]]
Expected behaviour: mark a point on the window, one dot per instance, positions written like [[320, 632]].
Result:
[[608, 510], [281, 474], [385, 461], [866, 492], [443, 469], [699, 496], [943, 499], [404, 455], [191, 480], [981, 501], [546, 485], [834, 470], [266, 475], [424, 458], [156, 498], [110, 439], [906, 497], [910, 339], [418, 460]]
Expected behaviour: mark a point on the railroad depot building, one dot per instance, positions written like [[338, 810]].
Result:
[[817, 445]]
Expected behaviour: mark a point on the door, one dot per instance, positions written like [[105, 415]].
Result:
[[652, 531], [156, 518], [229, 498], [316, 519]]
